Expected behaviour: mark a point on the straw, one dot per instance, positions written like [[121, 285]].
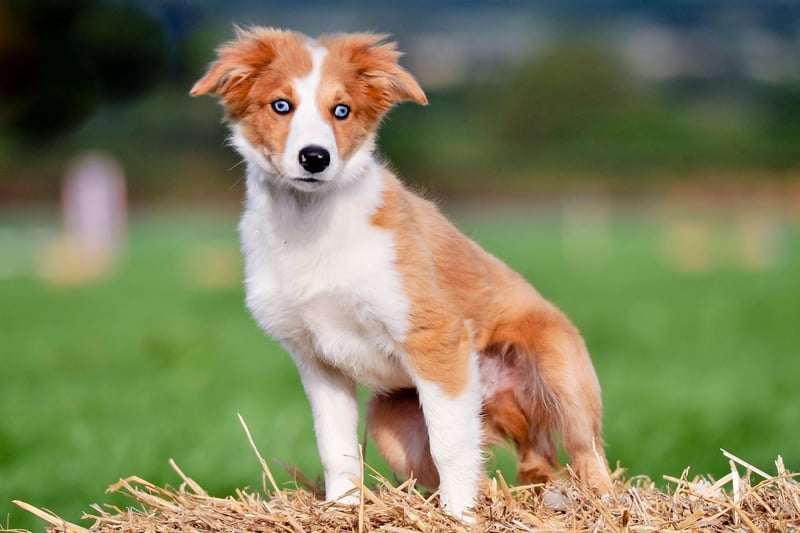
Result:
[[634, 505]]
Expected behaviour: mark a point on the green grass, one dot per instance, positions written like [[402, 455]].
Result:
[[113, 379]]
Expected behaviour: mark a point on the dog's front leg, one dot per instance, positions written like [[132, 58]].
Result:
[[451, 404], [335, 409]]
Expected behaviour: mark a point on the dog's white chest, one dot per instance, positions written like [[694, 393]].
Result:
[[329, 287]]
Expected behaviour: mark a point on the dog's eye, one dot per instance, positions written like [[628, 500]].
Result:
[[341, 111], [281, 106]]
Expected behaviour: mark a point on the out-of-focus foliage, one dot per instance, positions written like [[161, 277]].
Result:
[[565, 94], [620, 95], [60, 60]]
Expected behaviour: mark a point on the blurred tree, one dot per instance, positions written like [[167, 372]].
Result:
[[59, 59], [780, 109], [560, 95]]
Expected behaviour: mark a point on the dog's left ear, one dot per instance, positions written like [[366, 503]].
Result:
[[377, 67]]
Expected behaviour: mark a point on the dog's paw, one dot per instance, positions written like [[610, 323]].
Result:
[[468, 517], [460, 508], [350, 499], [343, 490]]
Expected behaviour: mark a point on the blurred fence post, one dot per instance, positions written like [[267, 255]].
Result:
[[586, 227], [94, 208], [688, 245], [759, 236]]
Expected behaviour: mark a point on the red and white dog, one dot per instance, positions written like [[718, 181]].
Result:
[[364, 282]]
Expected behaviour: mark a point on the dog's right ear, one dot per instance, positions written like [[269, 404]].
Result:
[[240, 61]]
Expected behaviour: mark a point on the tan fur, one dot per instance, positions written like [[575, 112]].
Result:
[[454, 284], [428, 247], [259, 62], [361, 71], [250, 74]]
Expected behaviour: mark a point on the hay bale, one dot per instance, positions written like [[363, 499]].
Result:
[[634, 505], [736, 502]]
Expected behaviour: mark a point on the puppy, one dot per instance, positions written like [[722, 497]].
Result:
[[364, 282]]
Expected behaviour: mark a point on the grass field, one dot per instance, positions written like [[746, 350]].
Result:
[[112, 379]]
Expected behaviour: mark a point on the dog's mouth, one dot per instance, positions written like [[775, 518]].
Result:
[[308, 184]]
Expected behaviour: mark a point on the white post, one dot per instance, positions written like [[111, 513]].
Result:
[[94, 206]]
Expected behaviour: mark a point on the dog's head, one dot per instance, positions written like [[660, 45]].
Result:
[[305, 111]]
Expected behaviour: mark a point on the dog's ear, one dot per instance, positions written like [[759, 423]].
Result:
[[240, 61], [377, 67]]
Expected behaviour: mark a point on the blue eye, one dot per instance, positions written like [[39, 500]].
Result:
[[281, 106], [341, 111]]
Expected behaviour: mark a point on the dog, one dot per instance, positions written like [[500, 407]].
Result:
[[364, 282]]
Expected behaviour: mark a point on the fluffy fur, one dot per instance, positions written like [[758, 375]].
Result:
[[364, 282]]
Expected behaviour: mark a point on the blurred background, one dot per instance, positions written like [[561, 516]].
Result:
[[639, 162]]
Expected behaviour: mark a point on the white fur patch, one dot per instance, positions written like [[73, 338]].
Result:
[[335, 408], [251, 154], [308, 127], [321, 277]]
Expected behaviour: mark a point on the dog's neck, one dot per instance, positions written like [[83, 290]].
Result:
[[290, 211]]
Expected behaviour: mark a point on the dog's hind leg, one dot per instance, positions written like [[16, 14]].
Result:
[[397, 425], [537, 462]]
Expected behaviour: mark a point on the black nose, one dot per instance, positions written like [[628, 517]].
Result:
[[314, 158]]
